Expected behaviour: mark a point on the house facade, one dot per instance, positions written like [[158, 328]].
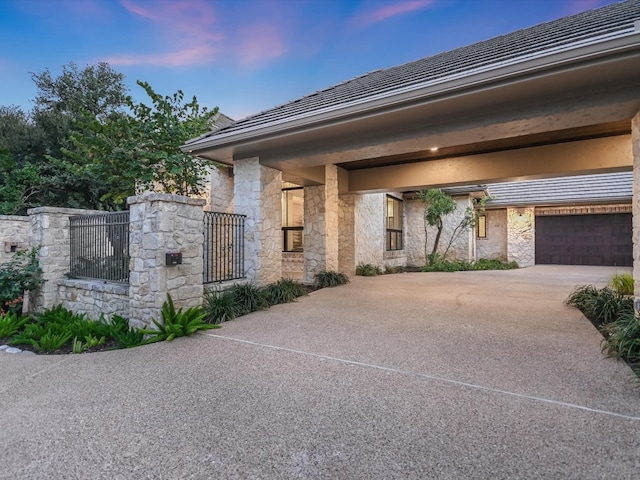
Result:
[[560, 99]]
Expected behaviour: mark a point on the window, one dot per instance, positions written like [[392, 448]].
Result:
[[481, 227], [394, 223], [292, 218]]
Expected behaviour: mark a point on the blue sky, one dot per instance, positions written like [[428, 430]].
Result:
[[245, 56]]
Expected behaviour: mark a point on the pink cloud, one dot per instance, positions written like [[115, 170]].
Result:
[[194, 36], [389, 11], [259, 43]]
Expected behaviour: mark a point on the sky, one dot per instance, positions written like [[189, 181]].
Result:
[[245, 56]]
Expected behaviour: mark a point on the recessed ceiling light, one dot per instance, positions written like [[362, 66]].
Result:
[[433, 149]]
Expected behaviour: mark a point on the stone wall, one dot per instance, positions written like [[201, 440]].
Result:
[[160, 224], [49, 229], [293, 265], [494, 246], [346, 234], [14, 235], [635, 140], [521, 236], [94, 298], [258, 195], [219, 190], [461, 249], [370, 229]]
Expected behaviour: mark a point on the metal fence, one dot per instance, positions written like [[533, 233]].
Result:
[[223, 246], [100, 246]]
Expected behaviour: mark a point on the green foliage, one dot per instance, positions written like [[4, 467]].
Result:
[[330, 278], [284, 290], [50, 341], [123, 334], [78, 346], [11, 323], [600, 305], [623, 338], [368, 270], [493, 264], [177, 323], [439, 264], [21, 273], [622, 283], [248, 298], [220, 307]]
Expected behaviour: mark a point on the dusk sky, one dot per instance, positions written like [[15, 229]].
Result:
[[245, 56]]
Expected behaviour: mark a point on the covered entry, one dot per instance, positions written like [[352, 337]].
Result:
[[604, 239]]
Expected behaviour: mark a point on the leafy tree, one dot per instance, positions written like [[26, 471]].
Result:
[[437, 205], [144, 147]]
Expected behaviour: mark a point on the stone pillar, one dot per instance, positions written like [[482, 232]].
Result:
[[521, 236], [346, 234], [50, 231], [258, 195], [162, 223], [635, 140], [220, 187], [321, 225]]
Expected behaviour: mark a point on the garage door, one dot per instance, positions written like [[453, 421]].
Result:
[[604, 239]]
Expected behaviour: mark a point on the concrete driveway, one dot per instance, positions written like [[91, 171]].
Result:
[[468, 375]]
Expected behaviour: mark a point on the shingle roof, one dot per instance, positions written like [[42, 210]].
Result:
[[609, 21], [610, 187]]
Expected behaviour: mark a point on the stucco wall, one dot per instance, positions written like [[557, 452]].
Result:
[[14, 235], [495, 244]]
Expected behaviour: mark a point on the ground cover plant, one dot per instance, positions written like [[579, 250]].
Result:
[[440, 264], [330, 278], [58, 330], [368, 270], [242, 299], [612, 313]]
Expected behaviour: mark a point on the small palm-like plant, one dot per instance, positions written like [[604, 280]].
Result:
[[284, 290], [220, 307], [368, 270], [177, 323], [10, 323]]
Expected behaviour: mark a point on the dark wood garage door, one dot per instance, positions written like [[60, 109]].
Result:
[[604, 239]]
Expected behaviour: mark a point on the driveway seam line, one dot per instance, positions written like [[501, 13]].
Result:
[[431, 377]]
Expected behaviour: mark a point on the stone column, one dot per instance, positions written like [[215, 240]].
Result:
[[219, 194], [162, 223], [321, 225], [50, 231], [258, 195], [635, 140], [346, 234], [521, 236]]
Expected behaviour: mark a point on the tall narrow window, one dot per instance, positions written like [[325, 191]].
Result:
[[394, 224], [292, 218], [482, 226]]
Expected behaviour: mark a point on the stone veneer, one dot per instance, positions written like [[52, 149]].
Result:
[[50, 231], [462, 248], [94, 297], [521, 236], [160, 224], [494, 246], [258, 195], [321, 225], [219, 190], [346, 234], [635, 140], [370, 229], [14, 235]]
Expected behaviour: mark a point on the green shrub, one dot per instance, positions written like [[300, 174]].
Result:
[[368, 270], [50, 341], [388, 269], [330, 278], [21, 273], [493, 264], [623, 338], [11, 323], [622, 283], [284, 290], [248, 298], [440, 265], [124, 335], [177, 323], [220, 307], [600, 305]]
